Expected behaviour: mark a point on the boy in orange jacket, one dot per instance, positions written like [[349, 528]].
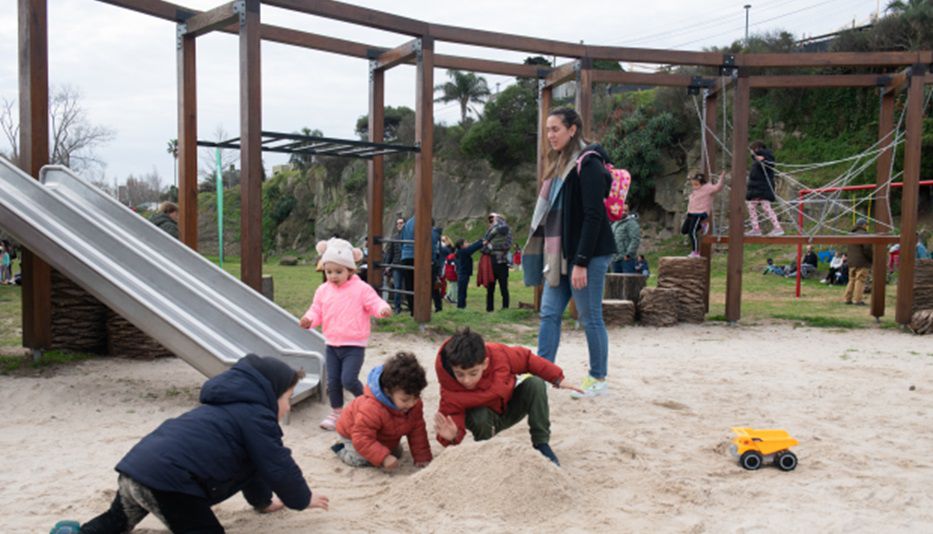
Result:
[[372, 426], [478, 391]]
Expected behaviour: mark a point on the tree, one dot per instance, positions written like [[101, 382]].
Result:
[[73, 137], [398, 124], [303, 161], [207, 162], [464, 88], [506, 135], [173, 150], [146, 188]]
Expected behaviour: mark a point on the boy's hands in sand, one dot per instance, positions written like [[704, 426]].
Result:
[[319, 501], [305, 323], [445, 427], [390, 462], [275, 506]]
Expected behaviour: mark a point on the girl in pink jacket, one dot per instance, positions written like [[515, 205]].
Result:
[[343, 305], [699, 207]]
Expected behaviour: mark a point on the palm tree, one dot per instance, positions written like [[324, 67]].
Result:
[[464, 87], [173, 150]]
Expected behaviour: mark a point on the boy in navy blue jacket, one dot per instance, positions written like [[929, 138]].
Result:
[[231, 443]]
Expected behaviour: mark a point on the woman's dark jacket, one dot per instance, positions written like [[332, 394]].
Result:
[[585, 231], [761, 177], [231, 443]]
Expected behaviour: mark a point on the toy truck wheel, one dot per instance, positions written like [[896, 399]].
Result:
[[751, 460], [786, 461]]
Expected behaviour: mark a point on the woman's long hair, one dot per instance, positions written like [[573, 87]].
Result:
[[557, 160]]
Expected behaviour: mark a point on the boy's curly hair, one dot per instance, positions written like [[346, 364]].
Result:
[[465, 349], [403, 371]]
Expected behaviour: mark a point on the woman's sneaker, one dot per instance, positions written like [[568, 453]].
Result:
[[777, 232], [591, 388], [330, 422]]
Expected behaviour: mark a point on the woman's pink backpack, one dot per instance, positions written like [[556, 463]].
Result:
[[621, 181]]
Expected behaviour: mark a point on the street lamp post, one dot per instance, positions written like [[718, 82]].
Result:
[[747, 7]]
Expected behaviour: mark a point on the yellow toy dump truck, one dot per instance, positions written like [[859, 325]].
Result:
[[753, 446]]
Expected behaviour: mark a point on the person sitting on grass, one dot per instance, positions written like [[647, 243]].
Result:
[[771, 268], [479, 391], [372, 426], [231, 443], [834, 266]]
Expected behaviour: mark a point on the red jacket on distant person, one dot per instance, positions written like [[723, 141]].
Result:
[[376, 428], [495, 387]]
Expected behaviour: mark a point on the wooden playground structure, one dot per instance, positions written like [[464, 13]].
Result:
[[739, 73]]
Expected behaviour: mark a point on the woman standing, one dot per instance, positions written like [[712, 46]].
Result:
[[571, 243]]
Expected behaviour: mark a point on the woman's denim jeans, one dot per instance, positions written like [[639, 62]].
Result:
[[589, 301]]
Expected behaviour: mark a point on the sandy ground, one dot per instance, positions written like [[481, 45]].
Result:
[[652, 455]]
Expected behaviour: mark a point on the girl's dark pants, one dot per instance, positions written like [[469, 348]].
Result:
[[529, 398], [462, 284], [691, 227], [343, 372]]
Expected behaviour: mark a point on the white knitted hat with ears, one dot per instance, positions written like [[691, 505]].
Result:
[[338, 251]]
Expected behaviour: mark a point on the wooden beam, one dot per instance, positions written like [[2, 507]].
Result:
[[208, 21], [830, 59], [397, 55], [376, 173], [424, 189], [886, 134], [187, 139], [250, 147], [561, 74], [505, 41], [654, 55], [33, 154], [545, 99], [655, 79], [355, 15], [313, 41], [488, 67], [155, 8], [708, 158], [807, 81], [584, 100], [737, 199], [844, 239], [909, 202]]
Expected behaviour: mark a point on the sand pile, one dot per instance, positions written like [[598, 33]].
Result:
[[502, 478]]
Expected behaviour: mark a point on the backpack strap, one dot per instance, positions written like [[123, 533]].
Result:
[[583, 156]]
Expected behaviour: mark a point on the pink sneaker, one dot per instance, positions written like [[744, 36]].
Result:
[[753, 232], [694, 255], [777, 232], [330, 422]]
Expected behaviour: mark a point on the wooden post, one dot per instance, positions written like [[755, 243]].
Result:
[[584, 100], [886, 135], [424, 190], [187, 139], [910, 197], [737, 199], [33, 154], [250, 147], [376, 172], [709, 166], [545, 98]]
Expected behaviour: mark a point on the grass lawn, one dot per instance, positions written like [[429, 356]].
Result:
[[764, 299]]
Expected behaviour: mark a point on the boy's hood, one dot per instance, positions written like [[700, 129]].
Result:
[[242, 383], [372, 380]]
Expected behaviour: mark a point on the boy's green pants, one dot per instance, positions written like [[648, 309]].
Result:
[[529, 398]]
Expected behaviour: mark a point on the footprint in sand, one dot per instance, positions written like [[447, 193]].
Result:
[[672, 405]]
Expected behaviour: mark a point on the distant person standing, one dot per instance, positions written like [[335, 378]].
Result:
[[6, 266], [497, 244], [627, 234], [167, 218], [761, 189], [860, 256], [393, 256]]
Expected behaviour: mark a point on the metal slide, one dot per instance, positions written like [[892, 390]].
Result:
[[195, 309]]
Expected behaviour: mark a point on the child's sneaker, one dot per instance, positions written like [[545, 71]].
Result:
[[330, 422], [591, 388], [66, 527], [753, 232], [545, 449], [777, 232], [694, 255]]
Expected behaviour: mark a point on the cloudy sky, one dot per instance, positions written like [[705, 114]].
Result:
[[123, 63]]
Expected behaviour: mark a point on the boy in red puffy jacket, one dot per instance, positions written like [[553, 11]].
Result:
[[372, 426], [479, 392]]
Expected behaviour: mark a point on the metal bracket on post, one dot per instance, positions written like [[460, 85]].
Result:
[[917, 69], [180, 30], [542, 84], [883, 80], [239, 7], [373, 67], [697, 83], [418, 47], [728, 65]]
